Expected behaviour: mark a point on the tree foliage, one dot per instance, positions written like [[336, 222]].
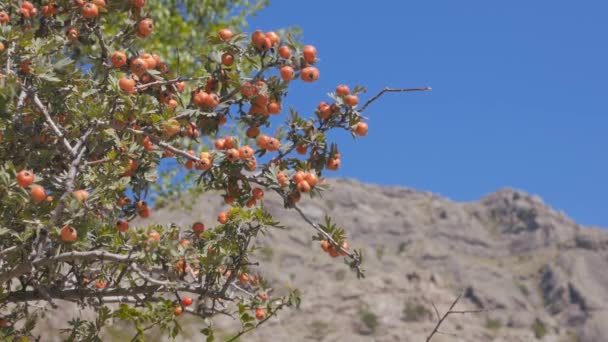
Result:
[[94, 96]]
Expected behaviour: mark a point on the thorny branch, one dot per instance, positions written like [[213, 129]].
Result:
[[390, 90], [450, 311]]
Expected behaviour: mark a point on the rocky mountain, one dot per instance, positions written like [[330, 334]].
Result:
[[533, 272]]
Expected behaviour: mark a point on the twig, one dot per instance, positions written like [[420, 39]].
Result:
[[390, 90], [242, 332], [449, 312], [51, 123], [7, 250]]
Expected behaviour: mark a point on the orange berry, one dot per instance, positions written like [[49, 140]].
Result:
[[257, 193], [309, 74], [68, 234], [138, 66], [263, 141], [274, 107], [143, 210], [232, 154], [90, 10], [225, 34], [145, 27], [81, 195], [351, 100], [198, 227], [25, 178], [222, 217], [122, 225], [99, 3], [178, 311], [245, 152], [310, 54], [180, 86], [248, 89], [285, 52], [38, 193], [253, 132], [4, 17], [287, 73], [325, 245], [333, 164], [274, 38], [342, 90], [171, 127], [72, 34], [220, 144], [260, 314], [118, 59], [227, 59], [154, 236], [273, 144], [303, 186], [244, 278], [301, 149], [127, 85], [361, 129], [101, 284], [312, 179], [186, 301], [298, 176], [263, 296]]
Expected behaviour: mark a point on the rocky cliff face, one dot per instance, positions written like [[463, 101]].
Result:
[[536, 273]]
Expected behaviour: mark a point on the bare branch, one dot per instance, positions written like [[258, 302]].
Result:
[[7, 250], [449, 312], [390, 90]]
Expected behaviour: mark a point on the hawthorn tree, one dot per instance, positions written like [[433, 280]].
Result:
[[94, 99]]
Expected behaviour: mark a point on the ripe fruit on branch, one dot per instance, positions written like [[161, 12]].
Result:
[[351, 100], [127, 85], [90, 10], [342, 90], [285, 52], [101, 284], [222, 217], [122, 225], [260, 313], [361, 129], [68, 234], [143, 210], [225, 34], [81, 195], [145, 27], [186, 301], [198, 227], [310, 54], [309, 74], [25, 178], [38, 193], [154, 236], [287, 73], [119, 59]]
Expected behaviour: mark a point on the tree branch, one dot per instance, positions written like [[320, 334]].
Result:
[[449, 312], [54, 126], [390, 90]]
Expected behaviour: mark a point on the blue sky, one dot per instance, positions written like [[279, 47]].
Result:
[[519, 94]]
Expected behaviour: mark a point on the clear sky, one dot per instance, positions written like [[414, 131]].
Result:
[[519, 98]]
